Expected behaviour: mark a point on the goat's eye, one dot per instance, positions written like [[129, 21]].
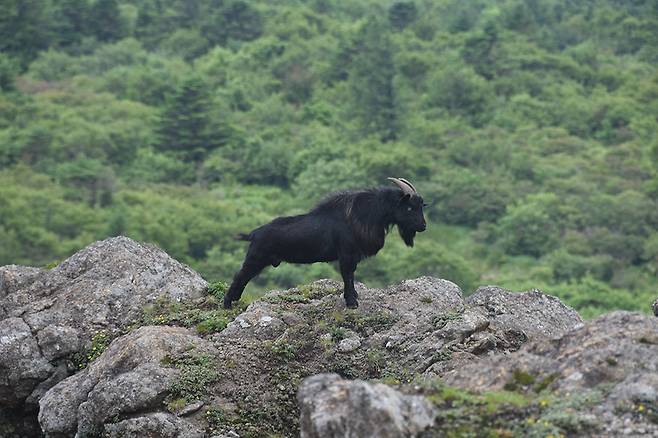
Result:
[[409, 208]]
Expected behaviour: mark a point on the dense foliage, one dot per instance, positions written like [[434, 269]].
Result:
[[530, 126]]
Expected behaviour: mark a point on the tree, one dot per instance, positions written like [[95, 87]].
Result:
[[149, 27], [105, 20], [402, 14], [371, 81], [8, 72], [462, 93], [463, 197], [532, 226], [70, 18], [185, 126], [478, 50], [233, 20], [90, 177], [25, 27]]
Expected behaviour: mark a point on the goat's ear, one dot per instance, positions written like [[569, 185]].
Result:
[[404, 198]]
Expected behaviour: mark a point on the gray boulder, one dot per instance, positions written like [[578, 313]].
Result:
[[129, 378], [158, 425], [334, 407], [534, 314], [14, 277], [614, 357], [606, 349], [21, 362], [47, 316], [493, 321], [104, 285]]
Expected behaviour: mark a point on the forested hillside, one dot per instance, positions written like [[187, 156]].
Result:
[[530, 126]]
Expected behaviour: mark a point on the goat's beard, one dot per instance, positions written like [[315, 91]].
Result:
[[407, 235]]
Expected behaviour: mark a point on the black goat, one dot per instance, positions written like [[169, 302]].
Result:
[[347, 226]]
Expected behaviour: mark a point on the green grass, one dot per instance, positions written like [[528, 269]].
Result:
[[99, 343], [207, 316], [197, 373]]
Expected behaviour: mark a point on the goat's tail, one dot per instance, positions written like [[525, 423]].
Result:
[[243, 236]]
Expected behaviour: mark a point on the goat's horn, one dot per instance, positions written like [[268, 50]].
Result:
[[405, 185]]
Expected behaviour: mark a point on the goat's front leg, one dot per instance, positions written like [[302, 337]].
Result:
[[250, 268], [347, 268]]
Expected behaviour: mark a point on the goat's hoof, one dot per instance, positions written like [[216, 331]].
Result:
[[352, 304], [227, 303]]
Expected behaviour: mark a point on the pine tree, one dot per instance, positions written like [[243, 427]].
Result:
[[105, 20], [185, 128], [150, 27], [478, 50], [371, 77], [8, 71], [402, 14], [232, 20], [70, 17], [25, 28]]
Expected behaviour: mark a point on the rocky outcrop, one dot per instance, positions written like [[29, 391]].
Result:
[[613, 357], [263, 356], [130, 379], [298, 361], [14, 278], [609, 348], [334, 407], [48, 315]]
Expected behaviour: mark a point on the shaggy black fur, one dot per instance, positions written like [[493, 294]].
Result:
[[347, 226]]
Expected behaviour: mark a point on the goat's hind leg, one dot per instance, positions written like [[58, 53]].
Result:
[[250, 268]]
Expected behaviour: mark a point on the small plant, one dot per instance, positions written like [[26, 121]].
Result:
[[99, 342], [426, 299], [520, 380], [544, 383], [294, 298], [361, 322], [344, 367], [465, 413], [175, 405], [441, 321], [206, 317], [644, 409], [51, 265], [217, 289], [283, 349], [288, 298], [376, 361], [197, 373], [442, 356], [494, 400], [212, 324], [215, 418], [648, 339], [337, 333], [161, 312], [314, 291], [397, 376]]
